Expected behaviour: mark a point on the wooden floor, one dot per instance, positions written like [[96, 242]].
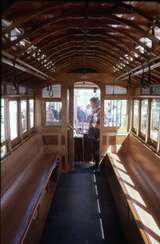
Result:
[[82, 211]]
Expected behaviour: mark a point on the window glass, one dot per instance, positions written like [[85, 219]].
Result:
[[53, 91], [115, 113], [3, 151], [13, 119], [53, 112], [155, 119], [144, 112], [2, 121], [31, 113], [110, 89], [24, 115], [135, 114]]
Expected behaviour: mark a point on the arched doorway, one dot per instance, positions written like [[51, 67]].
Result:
[[83, 92]]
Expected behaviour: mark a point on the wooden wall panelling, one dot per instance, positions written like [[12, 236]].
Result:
[[15, 163], [63, 140], [50, 139]]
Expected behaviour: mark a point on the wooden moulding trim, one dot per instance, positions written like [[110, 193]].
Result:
[[19, 64], [155, 63]]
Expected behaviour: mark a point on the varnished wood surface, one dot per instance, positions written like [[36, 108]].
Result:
[[143, 168], [22, 193]]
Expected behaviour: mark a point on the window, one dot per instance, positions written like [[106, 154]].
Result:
[[155, 119], [31, 113], [24, 115], [2, 121], [13, 119], [135, 115], [110, 89], [53, 91], [3, 136], [144, 112], [53, 113], [115, 113]]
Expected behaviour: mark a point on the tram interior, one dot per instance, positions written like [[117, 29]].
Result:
[[56, 57]]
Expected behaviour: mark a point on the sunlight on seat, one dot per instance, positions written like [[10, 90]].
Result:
[[120, 166], [125, 177], [147, 220], [134, 194], [152, 240]]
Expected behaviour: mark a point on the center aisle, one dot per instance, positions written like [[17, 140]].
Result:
[[75, 216]]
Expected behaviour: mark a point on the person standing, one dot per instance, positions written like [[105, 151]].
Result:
[[94, 129]]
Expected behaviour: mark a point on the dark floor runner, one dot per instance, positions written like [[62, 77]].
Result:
[[74, 218]]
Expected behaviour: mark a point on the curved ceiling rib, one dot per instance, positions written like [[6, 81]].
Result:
[[71, 22], [37, 41], [106, 35]]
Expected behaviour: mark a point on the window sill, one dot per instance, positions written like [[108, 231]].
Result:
[[148, 145]]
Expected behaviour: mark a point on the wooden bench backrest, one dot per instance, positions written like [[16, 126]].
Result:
[[143, 166], [14, 164]]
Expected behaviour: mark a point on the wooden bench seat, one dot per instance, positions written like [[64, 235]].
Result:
[[137, 170], [21, 199]]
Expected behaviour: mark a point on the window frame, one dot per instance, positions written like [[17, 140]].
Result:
[[154, 146], [21, 137]]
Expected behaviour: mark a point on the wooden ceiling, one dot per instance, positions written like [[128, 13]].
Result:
[[56, 37]]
